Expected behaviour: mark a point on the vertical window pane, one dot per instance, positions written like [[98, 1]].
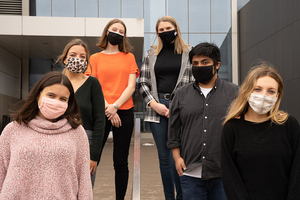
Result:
[[109, 9], [132, 9], [185, 37], [220, 15], [178, 9], [86, 8], [223, 41], [43, 7], [195, 39], [153, 10], [149, 40], [199, 16], [64, 8]]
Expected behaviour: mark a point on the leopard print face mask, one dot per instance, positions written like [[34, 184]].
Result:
[[76, 65]]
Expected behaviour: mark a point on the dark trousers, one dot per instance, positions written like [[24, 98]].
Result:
[[196, 188], [121, 139]]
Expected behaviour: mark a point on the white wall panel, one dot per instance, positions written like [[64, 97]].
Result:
[[54, 26], [10, 25]]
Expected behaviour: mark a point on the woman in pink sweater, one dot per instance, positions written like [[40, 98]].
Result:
[[44, 152]]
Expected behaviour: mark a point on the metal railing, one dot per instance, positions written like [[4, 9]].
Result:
[[136, 183]]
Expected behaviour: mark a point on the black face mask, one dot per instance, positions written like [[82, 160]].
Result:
[[203, 74], [114, 38], [168, 36]]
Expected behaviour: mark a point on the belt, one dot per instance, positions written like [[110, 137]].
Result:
[[165, 96]]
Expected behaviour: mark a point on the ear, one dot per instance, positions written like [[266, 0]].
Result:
[[218, 65]]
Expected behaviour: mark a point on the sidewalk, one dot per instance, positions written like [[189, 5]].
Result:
[[151, 185]]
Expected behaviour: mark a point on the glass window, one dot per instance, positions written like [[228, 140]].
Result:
[[220, 15], [149, 40], [153, 10], [37, 68], [195, 39], [199, 16], [109, 9], [132, 9], [65, 8], [86, 8], [178, 9], [43, 7], [185, 37], [223, 41]]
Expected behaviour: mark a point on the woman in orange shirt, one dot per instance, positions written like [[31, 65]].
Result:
[[116, 69]]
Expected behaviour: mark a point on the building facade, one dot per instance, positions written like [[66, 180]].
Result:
[[35, 32], [269, 30]]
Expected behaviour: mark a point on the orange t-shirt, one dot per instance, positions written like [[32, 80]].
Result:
[[112, 71]]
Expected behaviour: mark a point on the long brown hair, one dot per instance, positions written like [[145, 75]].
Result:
[[72, 43], [30, 108], [123, 46], [240, 105], [180, 45]]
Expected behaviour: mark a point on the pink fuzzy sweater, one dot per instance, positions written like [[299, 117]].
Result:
[[44, 161]]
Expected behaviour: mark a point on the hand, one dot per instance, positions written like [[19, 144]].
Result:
[[179, 164], [93, 165], [110, 110], [161, 109], [115, 120]]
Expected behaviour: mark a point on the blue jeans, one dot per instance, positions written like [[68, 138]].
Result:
[[196, 188], [168, 171]]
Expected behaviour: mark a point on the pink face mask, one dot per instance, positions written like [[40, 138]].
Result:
[[52, 108]]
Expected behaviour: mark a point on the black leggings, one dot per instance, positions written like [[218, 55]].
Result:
[[121, 138]]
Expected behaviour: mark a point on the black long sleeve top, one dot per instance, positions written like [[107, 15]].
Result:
[[167, 68], [261, 160], [90, 101]]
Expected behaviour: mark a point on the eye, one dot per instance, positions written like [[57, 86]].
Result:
[[256, 89], [272, 92], [51, 95], [83, 56], [161, 30], [64, 99], [72, 55], [194, 63]]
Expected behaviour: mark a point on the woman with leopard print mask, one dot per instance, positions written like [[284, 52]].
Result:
[[89, 97]]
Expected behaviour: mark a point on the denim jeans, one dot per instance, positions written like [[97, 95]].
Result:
[[90, 137], [168, 171], [196, 188]]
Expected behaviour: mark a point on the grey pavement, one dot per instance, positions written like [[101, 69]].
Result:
[[151, 185]]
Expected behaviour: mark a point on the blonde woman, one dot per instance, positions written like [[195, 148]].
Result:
[[260, 144], [165, 68]]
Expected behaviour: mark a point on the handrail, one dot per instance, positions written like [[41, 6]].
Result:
[[136, 183]]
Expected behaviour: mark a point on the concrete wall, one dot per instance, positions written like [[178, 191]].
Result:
[[10, 80], [270, 30]]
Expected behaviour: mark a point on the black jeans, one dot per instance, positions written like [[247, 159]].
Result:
[[121, 138]]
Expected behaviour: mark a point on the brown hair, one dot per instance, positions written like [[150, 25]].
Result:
[[240, 105], [123, 46], [72, 43], [30, 108], [180, 45]]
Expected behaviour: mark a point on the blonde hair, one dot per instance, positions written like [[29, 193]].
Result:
[[240, 105], [72, 43], [123, 46], [180, 45]]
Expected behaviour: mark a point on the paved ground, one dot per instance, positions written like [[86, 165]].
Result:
[[151, 186]]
